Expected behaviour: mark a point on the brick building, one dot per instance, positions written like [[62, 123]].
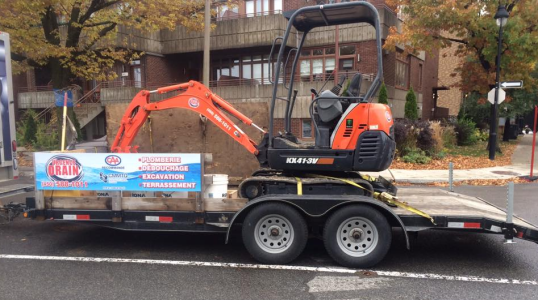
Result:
[[240, 65], [449, 98]]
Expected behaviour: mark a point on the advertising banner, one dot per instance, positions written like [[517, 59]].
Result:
[[131, 172]]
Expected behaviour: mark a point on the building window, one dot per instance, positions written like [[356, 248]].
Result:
[[306, 128], [317, 64], [226, 13], [262, 7], [420, 76], [402, 70], [250, 69], [136, 72]]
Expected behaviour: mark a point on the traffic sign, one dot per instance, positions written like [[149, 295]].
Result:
[[515, 84], [491, 95]]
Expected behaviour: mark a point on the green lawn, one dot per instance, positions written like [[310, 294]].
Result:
[[477, 150]]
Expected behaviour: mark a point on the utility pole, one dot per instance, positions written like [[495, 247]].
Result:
[[207, 41]]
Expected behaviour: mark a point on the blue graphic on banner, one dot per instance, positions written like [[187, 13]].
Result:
[[132, 172], [59, 98]]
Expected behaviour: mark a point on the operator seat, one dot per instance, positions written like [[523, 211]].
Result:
[[354, 88], [330, 110]]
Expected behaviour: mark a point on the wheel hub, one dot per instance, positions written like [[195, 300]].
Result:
[[274, 233], [356, 234]]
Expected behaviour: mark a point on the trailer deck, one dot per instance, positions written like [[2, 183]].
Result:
[[450, 211]]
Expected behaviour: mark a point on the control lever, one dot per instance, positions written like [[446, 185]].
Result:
[[336, 89], [314, 92]]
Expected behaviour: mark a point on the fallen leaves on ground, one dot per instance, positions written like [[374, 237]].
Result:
[[461, 162], [24, 161], [490, 182]]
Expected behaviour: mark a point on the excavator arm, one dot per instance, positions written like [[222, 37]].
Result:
[[195, 97]]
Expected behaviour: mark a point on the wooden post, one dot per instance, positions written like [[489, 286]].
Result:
[[200, 195], [534, 139], [116, 204], [64, 122], [207, 41]]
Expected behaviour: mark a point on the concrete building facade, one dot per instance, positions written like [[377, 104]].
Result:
[[240, 64]]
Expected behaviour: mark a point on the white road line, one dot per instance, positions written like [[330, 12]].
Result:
[[274, 267]]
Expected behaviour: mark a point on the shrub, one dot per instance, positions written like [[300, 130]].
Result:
[[465, 132], [411, 109], [449, 136], [30, 127], [481, 135], [405, 136], [437, 136], [416, 156], [410, 135], [383, 96], [425, 139], [46, 140]]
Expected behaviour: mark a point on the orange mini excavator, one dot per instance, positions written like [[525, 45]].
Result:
[[351, 133]]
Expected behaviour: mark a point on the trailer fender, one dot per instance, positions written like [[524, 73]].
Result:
[[319, 212]]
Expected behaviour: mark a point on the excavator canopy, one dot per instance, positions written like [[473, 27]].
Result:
[[308, 18]]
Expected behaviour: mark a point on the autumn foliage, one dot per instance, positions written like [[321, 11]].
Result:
[[79, 38], [434, 24]]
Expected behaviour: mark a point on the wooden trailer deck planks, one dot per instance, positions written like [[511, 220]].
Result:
[[440, 202]]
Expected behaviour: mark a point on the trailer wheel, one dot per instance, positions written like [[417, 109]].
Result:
[[357, 236], [274, 233]]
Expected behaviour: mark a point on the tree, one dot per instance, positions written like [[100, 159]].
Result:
[[383, 97], [411, 109], [435, 24], [77, 38], [30, 127]]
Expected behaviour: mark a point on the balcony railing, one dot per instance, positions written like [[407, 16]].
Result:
[[233, 16], [231, 82], [35, 89]]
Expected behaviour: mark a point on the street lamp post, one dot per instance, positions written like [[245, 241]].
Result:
[[501, 17]]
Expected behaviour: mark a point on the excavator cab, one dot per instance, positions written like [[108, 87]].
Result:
[[350, 132]]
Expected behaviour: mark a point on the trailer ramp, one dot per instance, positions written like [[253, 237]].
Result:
[[454, 211]]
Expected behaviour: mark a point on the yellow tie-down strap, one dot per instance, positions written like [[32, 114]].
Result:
[[299, 186], [382, 196]]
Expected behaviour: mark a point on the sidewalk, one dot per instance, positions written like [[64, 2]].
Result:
[[520, 167]]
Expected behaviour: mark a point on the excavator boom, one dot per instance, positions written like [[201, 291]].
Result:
[[195, 97]]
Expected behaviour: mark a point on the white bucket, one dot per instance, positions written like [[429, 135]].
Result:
[[219, 188]]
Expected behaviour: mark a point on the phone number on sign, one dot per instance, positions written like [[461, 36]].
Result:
[[64, 184]]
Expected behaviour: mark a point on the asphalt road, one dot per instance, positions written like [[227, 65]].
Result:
[[438, 253]]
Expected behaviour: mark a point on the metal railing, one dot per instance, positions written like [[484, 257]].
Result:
[[89, 96], [234, 16], [233, 81], [35, 89]]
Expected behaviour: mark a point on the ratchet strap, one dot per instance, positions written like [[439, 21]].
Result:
[[299, 186], [381, 196]]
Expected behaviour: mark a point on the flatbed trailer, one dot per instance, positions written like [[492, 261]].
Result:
[[125, 210]]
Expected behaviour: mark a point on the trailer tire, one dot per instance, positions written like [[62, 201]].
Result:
[[274, 233], [357, 236]]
